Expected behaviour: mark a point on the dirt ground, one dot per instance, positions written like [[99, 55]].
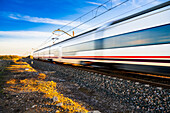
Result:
[[26, 90], [31, 86]]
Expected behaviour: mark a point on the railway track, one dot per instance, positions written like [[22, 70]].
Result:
[[156, 80], [147, 78], [126, 90]]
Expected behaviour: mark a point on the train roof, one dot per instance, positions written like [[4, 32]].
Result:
[[117, 21]]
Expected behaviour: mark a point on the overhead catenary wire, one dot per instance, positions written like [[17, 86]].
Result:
[[86, 14], [124, 13], [49, 39], [98, 15], [102, 5]]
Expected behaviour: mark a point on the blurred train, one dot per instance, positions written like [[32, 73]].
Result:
[[138, 42]]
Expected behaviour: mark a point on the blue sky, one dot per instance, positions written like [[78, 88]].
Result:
[[53, 9], [25, 24]]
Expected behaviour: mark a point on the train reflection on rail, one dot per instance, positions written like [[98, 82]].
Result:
[[138, 42]]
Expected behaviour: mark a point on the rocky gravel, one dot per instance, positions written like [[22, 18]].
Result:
[[98, 93], [107, 94]]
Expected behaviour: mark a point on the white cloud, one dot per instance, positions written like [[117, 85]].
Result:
[[46, 20], [137, 3], [109, 3], [134, 4], [13, 17], [95, 3], [116, 1], [38, 19], [26, 34], [21, 42]]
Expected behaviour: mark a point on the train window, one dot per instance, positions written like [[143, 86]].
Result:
[[68, 53], [86, 46], [156, 35], [79, 47], [133, 39], [99, 44], [46, 52], [54, 52], [161, 34]]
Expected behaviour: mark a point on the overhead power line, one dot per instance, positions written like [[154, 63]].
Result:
[[91, 11], [86, 13], [126, 12], [107, 9], [96, 15], [99, 14]]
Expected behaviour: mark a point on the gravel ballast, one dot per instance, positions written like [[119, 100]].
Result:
[[107, 94], [96, 92]]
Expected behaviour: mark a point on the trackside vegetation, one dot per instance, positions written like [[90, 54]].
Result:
[[10, 57]]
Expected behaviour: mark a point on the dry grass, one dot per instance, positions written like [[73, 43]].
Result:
[[48, 88], [10, 57]]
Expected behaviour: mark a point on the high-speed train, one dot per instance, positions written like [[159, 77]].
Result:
[[139, 42]]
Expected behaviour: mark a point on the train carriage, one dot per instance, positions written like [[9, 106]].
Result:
[[139, 42]]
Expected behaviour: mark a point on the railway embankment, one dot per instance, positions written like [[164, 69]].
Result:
[[27, 90], [3, 75], [109, 94], [35, 86]]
